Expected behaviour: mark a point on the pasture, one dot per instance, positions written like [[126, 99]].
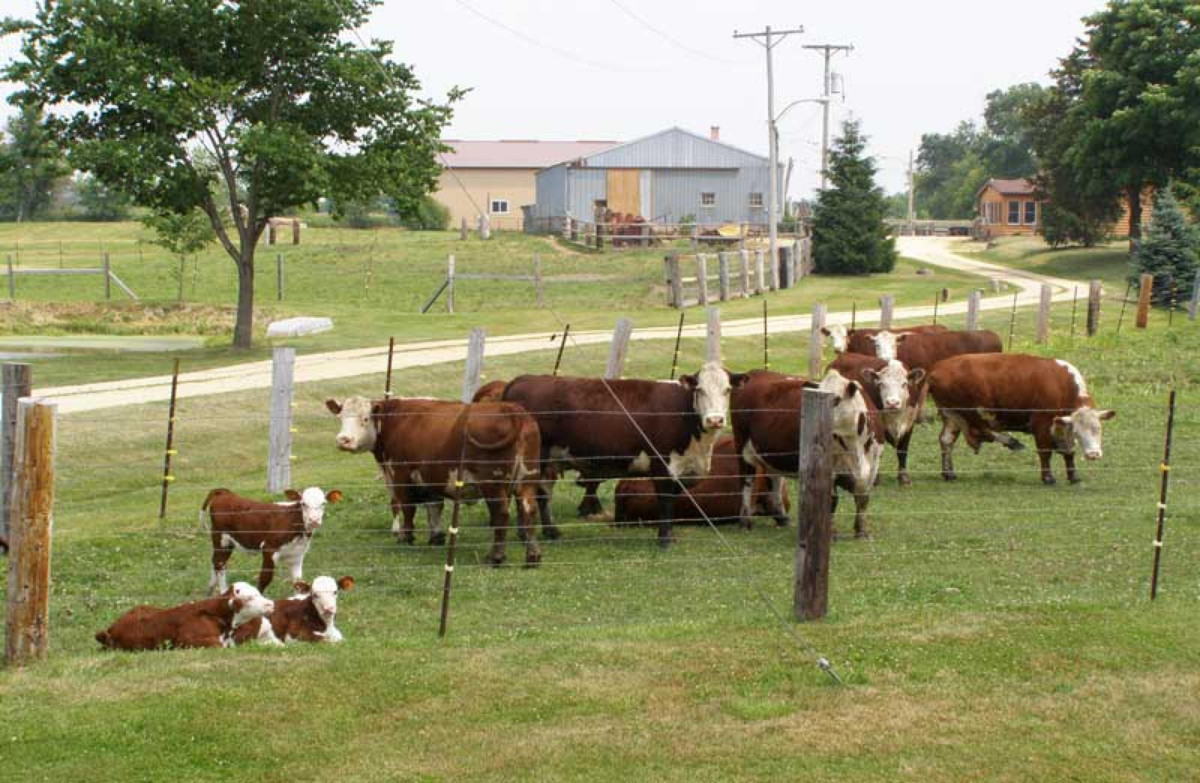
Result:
[[991, 629]]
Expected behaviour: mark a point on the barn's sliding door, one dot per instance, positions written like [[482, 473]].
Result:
[[624, 186]]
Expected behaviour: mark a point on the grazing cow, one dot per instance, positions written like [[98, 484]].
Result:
[[419, 443], [766, 430], [717, 498], [923, 351], [618, 428], [282, 532], [985, 395], [210, 623], [897, 393], [845, 340], [305, 617]]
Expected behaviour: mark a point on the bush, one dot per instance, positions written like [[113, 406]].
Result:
[[1062, 227], [1168, 251], [849, 235], [429, 215]]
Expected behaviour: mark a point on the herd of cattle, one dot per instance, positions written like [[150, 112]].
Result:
[[663, 440]]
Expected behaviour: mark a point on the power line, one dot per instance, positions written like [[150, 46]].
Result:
[[672, 40]]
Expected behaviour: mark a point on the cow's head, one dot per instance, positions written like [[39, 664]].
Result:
[[887, 342], [895, 383], [323, 593], [1082, 427], [838, 336], [359, 428], [852, 432], [710, 393], [247, 603], [312, 504]]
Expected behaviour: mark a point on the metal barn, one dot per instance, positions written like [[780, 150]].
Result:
[[663, 178]]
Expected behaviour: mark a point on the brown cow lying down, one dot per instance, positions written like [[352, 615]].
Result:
[[984, 395], [305, 617], [282, 532], [418, 444], [923, 351], [845, 340], [897, 392], [209, 623], [717, 497]]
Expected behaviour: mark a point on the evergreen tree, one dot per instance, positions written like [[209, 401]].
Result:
[[849, 235], [1168, 250]]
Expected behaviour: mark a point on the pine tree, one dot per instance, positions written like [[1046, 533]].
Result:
[[1168, 250], [849, 235]]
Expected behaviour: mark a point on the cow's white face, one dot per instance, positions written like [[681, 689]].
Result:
[[851, 428], [839, 338], [1082, 428], [312, 507], [893, 383], [247, 603], [324, 597], [710, 394], [886, 343], [358, 430]]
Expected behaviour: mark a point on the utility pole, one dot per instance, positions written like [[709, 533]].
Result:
[[771, 39], [912, 215], [829, 50]]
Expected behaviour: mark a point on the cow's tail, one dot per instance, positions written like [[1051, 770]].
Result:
[[207, 502], [504, 442]]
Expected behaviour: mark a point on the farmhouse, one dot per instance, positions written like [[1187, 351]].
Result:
[[497, 177], [1010, 207], [663, 178]]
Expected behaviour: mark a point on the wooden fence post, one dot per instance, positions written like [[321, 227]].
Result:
[[270, 232], [485, 227], [1093, 311], [169, 450], [618, 349], [815, 341], [1194, 304], [775, 281], [675, 281], [713, 335], [973, 311], [886, 303], [810, 599], [702, 276], [17, 383], [279, 453], [295, 231], [1043, 316], [473, 373], [278, 276], [463, 231], [450, 284], [12, 281], [1145, 290], [27, 619], [537, 280], [744, 262], [760, 271], [107, 278], [723, 275]]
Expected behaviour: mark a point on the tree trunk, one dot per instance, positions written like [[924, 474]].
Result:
[[243, 330], [1133, 195]]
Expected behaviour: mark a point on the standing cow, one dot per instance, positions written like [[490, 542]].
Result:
[[845, 340], [919, 350], [617, 428], [897, 392], [419, 444], [984, 395]]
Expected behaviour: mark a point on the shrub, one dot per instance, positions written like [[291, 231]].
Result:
[[429, 215], [1168, 251]]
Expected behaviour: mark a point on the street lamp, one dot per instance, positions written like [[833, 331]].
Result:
[[779, 116]]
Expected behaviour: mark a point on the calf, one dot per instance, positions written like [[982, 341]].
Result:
[[845, 340], [984, 395], [923, 351], [306, 617], [766, 430], [718, 497], [282, 532], [210, 623], [896, 392], [419, 445]]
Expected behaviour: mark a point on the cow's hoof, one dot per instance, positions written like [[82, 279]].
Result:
[[551, 532], [903, 480], [1075, 480], [495, 559], [589, 509], [1049, 481], [406, 538], [747, 524], [862, 535], [664, 542], [781, 521], [532, 559], [437, 539], [950, 476]]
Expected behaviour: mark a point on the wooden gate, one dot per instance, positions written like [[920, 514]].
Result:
[[623, 191]]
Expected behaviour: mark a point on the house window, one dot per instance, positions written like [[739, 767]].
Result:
[[991, 212], [1014, 213], [708, 199], [1030, 213], [499, 206], [756, 200]]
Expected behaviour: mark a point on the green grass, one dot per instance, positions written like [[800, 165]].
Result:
[[993, 628], [1108, 263], [327, 275]]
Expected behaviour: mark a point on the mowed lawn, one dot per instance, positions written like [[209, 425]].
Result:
[[372, 283], [992, 629]]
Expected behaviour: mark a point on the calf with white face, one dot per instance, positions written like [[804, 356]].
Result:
[[839, 337], [857, 443], [307, 616]]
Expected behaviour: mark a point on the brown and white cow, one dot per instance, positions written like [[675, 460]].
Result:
[[766, 430], [617, 428], [924, 350], [986, 395], [718, 497], [307, 616], [845, 340], [419, 443], [210, 623], [281, 532], [897, 392]]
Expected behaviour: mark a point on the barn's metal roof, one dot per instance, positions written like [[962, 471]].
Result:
[[517, 153]]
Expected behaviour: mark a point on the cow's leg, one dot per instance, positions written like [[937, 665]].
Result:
[[947, 438], [497, 504], [666, 492], [862, 497], [403, 529], [1069, 459], [590, 505], [526, 500], [1043, 438], [433, 514], [545, 496], [902, 477], [775, 502], [268, 570], [220, 561], [746, 474]]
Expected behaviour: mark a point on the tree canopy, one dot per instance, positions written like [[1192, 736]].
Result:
[[849, 235], [31, 164], [243, 110]]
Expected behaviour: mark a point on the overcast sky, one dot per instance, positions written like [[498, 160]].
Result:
[[621, 69]]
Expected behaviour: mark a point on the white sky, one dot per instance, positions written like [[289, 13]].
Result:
[[570, 69]]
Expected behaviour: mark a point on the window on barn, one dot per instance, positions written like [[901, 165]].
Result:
[[756, 200], [1030, 212], [499, 206], [708, 199], [1014, 213]]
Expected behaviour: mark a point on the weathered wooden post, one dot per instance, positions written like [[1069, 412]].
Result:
[[485, 228], [744, 261], [713, 335], [1043, 316], [450, 284], [1145, 290], [270, 232], [107, 278], [775, 281], [473, 372], [676, 281], [1093, 311], [463, 231], [17, 383], [279, 276], [995, 285], [760, 271], [537, 281], [815, 341], [1194, 304], [810, 599], [973, 311], [295, 231], [618, 349], [702, 276], [169, 450], [279, 454], [723, 275], [886, 303], [27, 619]]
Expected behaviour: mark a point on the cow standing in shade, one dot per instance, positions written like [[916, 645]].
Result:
[[617, 428], [984, 395]]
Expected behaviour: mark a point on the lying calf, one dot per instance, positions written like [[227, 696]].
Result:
[[306, 617], [209, 623]]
